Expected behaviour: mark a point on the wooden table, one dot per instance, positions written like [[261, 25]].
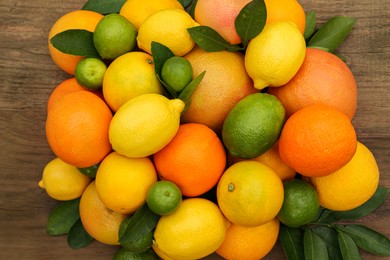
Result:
[[28, 76]]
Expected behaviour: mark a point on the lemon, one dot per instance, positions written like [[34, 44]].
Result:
[[274, 56], [63, 181], [145, 124], [196, 229], [168, 27], [128, 76]]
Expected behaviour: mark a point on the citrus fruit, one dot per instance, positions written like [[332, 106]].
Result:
[[274, 56], [253, 125], [224, 84], [196, 229], [89, 73], [77, 129], [139, 245], [79, 19], [250, 193], [145, 8], [122, 182], [63, 181], [317, 140], [128, 76], [167, 27], [194, 159], [163, 197], [177, 72], [100, 222], [350, 186], [145, 124], [114, 35], [249, 243], [322, 78], [300, 204], [124, 254]]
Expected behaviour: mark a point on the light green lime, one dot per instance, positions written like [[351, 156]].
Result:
[[163, 197], [177, 72], [124, 254], [89, 73], [136, 246], [114, 35]]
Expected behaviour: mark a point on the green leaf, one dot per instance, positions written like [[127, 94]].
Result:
[[62, 217], [104, 6], [311, 23], [348, 248], [90, 171], [169, 91], [331, 34], [185, 3], [292, 242], [192, 9], [314, 246], [210, 40], [186, 93], [75, 42], [368, 239], [251, 20], [160, 54], [78, 236], [329, 236], [142, 222]]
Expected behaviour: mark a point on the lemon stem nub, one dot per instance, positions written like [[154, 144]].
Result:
[[231, 187]]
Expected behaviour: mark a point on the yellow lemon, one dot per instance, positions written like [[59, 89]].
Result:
[[63, 181], [274, 56], [168, 27], [196, 229], [145, 124], [122, 182], [128, 76]]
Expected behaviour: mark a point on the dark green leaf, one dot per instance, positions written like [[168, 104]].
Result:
[[78, 236], [104, 6], [331, 34], [142, 222], [292, 242], [75, 42], [348, 248], [192, 9], [210, 40], [62, 217], [368, 239], [329, 236], [314, 246], [251, 20], [185, 3], [311, 23], [186, 93], [90, 171], [327, 217], [160, 54]]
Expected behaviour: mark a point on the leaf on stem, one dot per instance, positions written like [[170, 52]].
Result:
[[78, 237], [348, 247], [292, 242], [311, 23], [329, 236], [104, 7], [62, 217], [186, 93], [314, 246]]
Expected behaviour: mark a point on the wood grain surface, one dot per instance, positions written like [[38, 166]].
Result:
[[28, 76]]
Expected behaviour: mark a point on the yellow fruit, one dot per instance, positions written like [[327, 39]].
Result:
[[350, 186], [137, 11], [145, 124], [128, 76], [196, 229], [168, 27], [275, 55], [63, 181], [250, 193], [122, 182]]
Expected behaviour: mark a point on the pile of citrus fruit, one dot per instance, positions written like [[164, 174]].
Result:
[[188, 128]]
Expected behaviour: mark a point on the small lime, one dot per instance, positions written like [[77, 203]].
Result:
[[300, 205], [163, 197], [124, 254], [177, 72], [89, 73], [136, 246], [114, 35]]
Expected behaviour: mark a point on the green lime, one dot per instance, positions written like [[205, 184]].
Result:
[[124, 254], [253, 125], [89, 73], [300, 205], [163, 197], [114, 35], [177, 72], [136, 246]]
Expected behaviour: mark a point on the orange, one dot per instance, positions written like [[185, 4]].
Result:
[[194, 159], [249, 243], [317, 140], [225, 83], [100, 222], [350, 186], [322, 78], [79, 19], [77, 129]]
